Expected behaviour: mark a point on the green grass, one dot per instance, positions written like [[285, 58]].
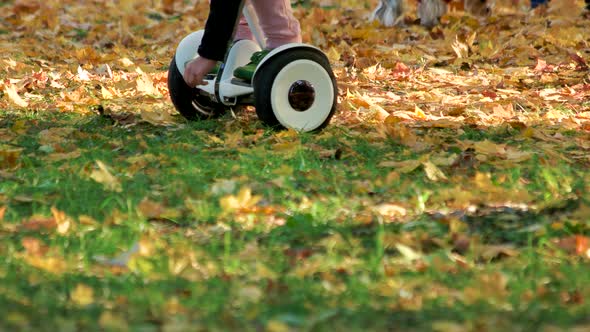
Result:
[[310, 255]]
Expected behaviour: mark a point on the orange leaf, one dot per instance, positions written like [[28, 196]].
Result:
[[575, 245], [33, 246], [582, 245], [36, 223]]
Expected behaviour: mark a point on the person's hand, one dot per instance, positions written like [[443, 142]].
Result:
[[196, 69]]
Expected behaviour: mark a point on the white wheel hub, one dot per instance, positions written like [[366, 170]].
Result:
[[311, 74]]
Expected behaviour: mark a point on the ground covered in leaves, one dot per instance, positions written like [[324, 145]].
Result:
[[448, 194]]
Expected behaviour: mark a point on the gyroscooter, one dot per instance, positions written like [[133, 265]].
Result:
[[292, 87]]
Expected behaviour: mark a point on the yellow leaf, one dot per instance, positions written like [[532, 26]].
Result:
[[60, 156], [408, 253], [461, 49], [82, 295], [488, 147], [13, 95], [242, 200], [62, 220], [517, 155], [157, 118], [106, 94], [103, 176], [447, 326], [146, 85], [433, 172], [55, 265], [146, 247], [419, 113], [19, 127], [277, 326], [111, 322], [390, 210], [126, 62], [405, 166], [2, 212], [250, 294], [333, 54], [54, 135]]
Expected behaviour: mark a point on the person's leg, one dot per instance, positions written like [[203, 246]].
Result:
[[279, 26], [243, 30], [537, 3], [277, 22]]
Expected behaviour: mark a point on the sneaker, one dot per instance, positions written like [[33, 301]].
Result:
[[246, 72]]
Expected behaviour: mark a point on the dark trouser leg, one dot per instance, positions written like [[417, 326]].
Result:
[[536, 3]]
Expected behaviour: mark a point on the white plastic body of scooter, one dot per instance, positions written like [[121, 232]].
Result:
[[293, 86], [239, 55]]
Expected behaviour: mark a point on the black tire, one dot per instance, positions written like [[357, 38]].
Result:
[[265, 81], [187, 100]]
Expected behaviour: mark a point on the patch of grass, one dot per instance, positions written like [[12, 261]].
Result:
[[310, 254]]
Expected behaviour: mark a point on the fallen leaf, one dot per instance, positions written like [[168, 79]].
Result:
[[390, 210], [21, 7], [62, 220], [461, 49], [433, 172], [37, 223], [83, 74], [2, 213], [146, 85], [157, 118], [61, 156], [243, 200], [541, 65], [126, 62], [405, 166], [150, 209], [580, 62], [575, 245], [490, 252], [103, 176], [33, 246], [14, 97], [82, 295], [408, 253], [490, 148], [51, 264]]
